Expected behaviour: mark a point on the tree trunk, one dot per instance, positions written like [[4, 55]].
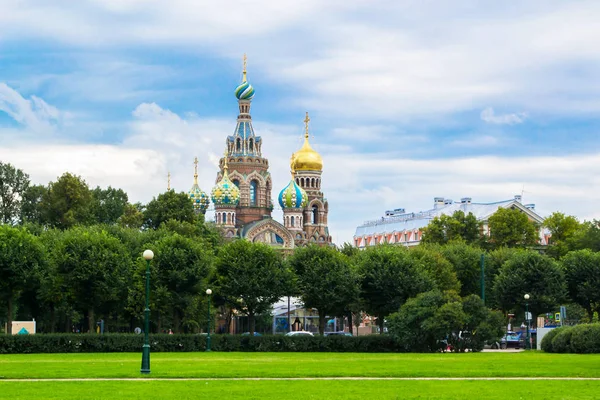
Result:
[[52, 318], [9, 316], [321, 323], [590, 312], [380, 321], [251, 323], [91, 321], [350, 325]]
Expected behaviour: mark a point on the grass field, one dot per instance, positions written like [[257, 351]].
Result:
[[229, 366]]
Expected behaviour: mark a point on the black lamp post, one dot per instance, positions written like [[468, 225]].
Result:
[[527, 318], [148, 256], [208, 293]]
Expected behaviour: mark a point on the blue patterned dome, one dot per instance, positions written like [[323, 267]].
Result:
[[293, 196], [200, 199], [225, 192], [244, 91]]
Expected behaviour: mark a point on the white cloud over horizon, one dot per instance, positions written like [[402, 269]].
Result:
[[488, 115]]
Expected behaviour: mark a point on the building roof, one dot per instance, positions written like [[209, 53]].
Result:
[[399, 221]]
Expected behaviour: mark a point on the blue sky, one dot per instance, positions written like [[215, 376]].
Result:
[[408, 99]]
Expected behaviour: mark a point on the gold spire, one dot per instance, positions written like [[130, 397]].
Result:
[[168, 181], [195, 170], [306, 121], [225, 166], [244, 71]]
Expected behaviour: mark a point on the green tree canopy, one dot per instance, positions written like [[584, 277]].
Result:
[[562, 229], [437, 266], [325, 281], [251, 277], [132, 217], [31, 206], [388, 276], [13, 184], [20, 255], [67, 202], [466, 262], [582, 272], [586, 237], [512, 228], [169, 205], [528, 272], [446, 228], [108, 205]]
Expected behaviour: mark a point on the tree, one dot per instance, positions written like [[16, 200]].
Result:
[[562, 229], [528, 272], [31, 205], [437, 266], [132, 216], [20, 255], [251, 277], [432, 320], [169, 205], [582, 272], [446, 228], [67, 202], [108, 205], [388, 276], [586, 237], [493, 262], [466, 262], [180, 270], [512, 228], [13, 184], [94, 267]]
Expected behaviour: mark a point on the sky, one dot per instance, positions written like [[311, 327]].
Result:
[[409, 100]]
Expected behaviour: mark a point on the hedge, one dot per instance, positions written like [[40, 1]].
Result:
[[580, 339], [92, 343]]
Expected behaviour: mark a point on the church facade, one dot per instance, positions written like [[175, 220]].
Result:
[[242, 195]]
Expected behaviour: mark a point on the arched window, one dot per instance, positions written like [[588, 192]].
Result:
[[292, 221], [251, 145], [297, 181], [253, 194], [236, 182], [238, 145], [225, 218], [315, 214], [312, 182]]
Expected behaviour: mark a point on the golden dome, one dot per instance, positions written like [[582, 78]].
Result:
[[306, 159]]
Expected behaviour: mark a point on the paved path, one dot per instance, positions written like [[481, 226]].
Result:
[[346, 378]]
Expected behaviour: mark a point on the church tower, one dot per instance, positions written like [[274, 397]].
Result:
[[248, 170], [226, 196], [307, 165]]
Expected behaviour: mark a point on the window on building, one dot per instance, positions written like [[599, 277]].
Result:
[[292, 221], [238, 145], [251, 145], [253, 190], [236, 182], [315, 214]]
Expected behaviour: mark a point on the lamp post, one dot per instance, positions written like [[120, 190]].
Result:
[[208, 293], [528, 343], [148, 256]]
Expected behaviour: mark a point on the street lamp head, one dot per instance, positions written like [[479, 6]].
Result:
[[526, 296], [208, 292], [148, 255]]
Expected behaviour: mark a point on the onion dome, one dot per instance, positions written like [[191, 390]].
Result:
[[306, 159], [225, 192], [293, 196], [199, 198], [244, 91]]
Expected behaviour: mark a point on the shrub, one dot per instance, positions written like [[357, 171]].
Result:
[[85, 343], [547, 340], [562, 341], [584, 338]]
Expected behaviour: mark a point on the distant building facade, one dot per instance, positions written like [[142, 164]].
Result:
[[402, 228]]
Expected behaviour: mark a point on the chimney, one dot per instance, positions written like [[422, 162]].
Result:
[[448, 202], [530, 206], [438, 202], [465, 200], [518, 198]]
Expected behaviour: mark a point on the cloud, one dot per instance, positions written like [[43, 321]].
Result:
[[33, 114], [489, 116]]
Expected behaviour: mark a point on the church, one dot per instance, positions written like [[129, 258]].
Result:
[[242, 194]]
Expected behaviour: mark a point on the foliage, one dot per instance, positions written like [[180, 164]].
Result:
[[108, 205], [437, 266], [446, 228], [511, 227], [529, 272], [586, 237], [433, 320], [20, 255], [546, 344], [388, 276], [168, 205], [251, 277], [466, 261], [67, 202], [31, 205], [582, 272], [13, 184], [132, 216], [325, 281], [562, 229]]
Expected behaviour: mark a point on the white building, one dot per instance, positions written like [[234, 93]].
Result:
[[400, 227]]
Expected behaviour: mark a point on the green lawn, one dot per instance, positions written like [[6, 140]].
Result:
[[231, 365], [289, 365]]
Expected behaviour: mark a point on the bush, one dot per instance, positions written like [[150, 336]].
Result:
[[584, 338], [90, 343]]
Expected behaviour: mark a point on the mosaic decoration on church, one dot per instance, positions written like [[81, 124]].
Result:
[[293, 196]]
